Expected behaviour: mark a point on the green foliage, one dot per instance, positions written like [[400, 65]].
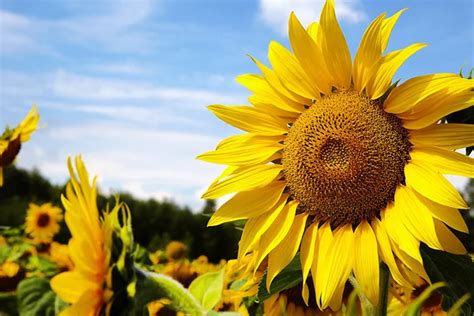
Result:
[[456, 271], [35, 297], [207, 288], [290, 277]]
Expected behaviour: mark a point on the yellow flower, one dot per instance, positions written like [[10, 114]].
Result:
[[59, 254], [340, 165], [86, 287], [42, 222], [9, 269], [176, 250], [11, 140]]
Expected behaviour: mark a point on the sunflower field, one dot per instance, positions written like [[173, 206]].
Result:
[[333, 200]]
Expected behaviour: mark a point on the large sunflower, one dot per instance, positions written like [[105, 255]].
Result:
[[11, 139], [42, 222], [339, 164]]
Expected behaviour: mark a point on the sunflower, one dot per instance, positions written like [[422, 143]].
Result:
[[339, 163], [11, 139], [87, 287], [42, 222]]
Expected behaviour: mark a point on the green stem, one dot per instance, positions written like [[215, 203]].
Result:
[[384, 284], [367, 307]]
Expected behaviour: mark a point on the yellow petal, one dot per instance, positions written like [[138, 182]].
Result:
[[337, 266], [27, 126], [436, 108], [398, 233], [444, 161], [387, 27], [416, 217], [276, 232], [385, 251], [308, 245], [413, 264], [446, 136], [245, 139], [245, 154], [449, 241], [256, 226], [250, 120], [314, 30], [386, 68], [368, 54], [88, 304], [334, 47], [289, 70], [309, 55], [432, 185], [248, 204], [251, 178], [319, 271], [366, 261], [293, 102], [407, 95], [71, 285], [450, 216], [282, 255], [263, 107]]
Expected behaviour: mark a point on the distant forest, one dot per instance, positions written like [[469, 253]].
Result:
[[155, 223]]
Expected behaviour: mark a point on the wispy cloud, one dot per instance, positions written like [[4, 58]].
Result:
[[15, 32], [275, 13], [148, 162], [108, 25], [70, 85]]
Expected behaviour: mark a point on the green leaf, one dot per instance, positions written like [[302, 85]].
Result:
[[214, 313], [457, 271], [207, 288], [290, 277], [151, 286], [35, 297]]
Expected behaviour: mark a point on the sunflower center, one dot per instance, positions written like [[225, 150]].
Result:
[[344, 157], [43, 220]]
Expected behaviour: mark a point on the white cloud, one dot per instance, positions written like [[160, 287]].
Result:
[[148, 163], [119, 68], [70, 85], [275, 13], [110, 25], [14, 32]]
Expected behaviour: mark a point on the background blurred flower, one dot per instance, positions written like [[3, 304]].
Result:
[[42, 222]]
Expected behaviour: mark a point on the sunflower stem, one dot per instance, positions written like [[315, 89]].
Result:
[[367, 307], [384, 284]]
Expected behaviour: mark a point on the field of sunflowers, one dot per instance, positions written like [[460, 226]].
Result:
[[336, 187]]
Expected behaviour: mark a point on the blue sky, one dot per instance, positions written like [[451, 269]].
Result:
[[125, 83]]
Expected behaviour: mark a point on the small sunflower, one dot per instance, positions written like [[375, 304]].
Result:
[[42, 222], [339, 163], [11, 139], [88, 286]]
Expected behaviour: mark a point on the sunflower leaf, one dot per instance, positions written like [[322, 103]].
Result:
[[35, 297], [152, 286], [207, 288], [290, 277], [457, 271]]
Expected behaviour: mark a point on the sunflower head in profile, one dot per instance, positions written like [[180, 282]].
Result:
[[341, 165], [11, 139], [100, 250], [42, 222]]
